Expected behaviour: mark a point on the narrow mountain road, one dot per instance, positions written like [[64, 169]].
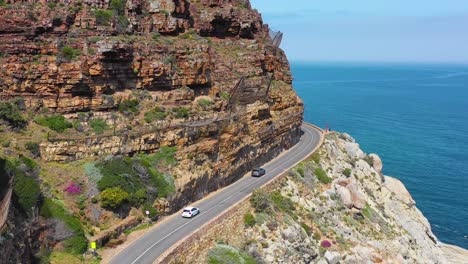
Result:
[[152, 244]]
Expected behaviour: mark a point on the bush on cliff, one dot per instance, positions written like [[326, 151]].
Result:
[[26, 188], [249, 220], [156, 113], [322, 176], [98, 125], [260, 200], [285, 204], [129, 106], [11, 113], [113, 197], [103, 17], [181, 112], [69, 53], [55, 122]]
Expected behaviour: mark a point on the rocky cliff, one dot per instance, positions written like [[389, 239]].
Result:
[[84, 80], [336, 207]]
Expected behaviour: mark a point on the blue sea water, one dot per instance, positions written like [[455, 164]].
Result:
[[414, 116]]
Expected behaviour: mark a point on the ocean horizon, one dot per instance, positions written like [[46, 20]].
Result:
[[414, 116]]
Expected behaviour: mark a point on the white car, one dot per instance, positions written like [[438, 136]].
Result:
[[190, 212]]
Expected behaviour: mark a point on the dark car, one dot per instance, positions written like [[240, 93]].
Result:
[[258, 172]]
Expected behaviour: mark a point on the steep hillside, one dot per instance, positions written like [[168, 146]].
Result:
[[137, 104], [336, 207]]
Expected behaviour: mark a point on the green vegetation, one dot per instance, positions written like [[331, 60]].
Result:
[[249, 219], [367, 211], [260, 200], [94, 39], [69, 53], [52, 209], [55, 122], [307, 228], [222, 254], [138, 177], [33, 147], [322, 176], [103, 17], [156, 113], [204, 102], [26, 190], [118, 6], [2, 3], [181, 112], [113, 197], [129, 106], [98, 125], [225, 95], [283, 203], [347, 172], [316, 157], [11, 113], [300, 170]]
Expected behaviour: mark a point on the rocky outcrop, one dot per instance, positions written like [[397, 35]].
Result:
[[203, 76], [309, 221]]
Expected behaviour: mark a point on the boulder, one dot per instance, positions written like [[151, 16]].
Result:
[[345, 196], [377, 164], [332, 257], [399, 189]]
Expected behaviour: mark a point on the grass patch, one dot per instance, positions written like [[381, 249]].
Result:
[[285, 204], [260, 200], [69, 53], [204, 102], [137, 228], [129, 106], [347, 172]]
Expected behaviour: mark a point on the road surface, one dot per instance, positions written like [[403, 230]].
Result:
[[152, 244]]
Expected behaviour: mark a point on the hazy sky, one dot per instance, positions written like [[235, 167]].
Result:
[[370, 30]]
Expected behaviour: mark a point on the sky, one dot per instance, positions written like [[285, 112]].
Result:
[[424, 31]]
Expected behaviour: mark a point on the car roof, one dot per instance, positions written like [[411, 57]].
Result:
[[189, 208]]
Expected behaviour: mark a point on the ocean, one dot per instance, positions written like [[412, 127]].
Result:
[[415, 117]]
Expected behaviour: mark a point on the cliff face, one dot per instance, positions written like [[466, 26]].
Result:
[[132, 76], [336, 207]]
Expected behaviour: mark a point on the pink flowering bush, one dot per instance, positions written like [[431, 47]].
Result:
[[73, 188], [326, 244]]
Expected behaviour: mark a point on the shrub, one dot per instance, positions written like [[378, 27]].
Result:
[[157, 113], [138, 198], [76, 244], [26, 190], [316, 157], [325, 244], [33, 147], [249, 219], [93, 173], [317, 236], [98, 125], [69, 53], [260, 200], [347, 172], [153, 213], [129, 106], [118, 6], [369, 160], [113, 197], [53, 209], [103, 17], [283, 203], [10, 113], [181, 112], [322, 176], [73, 188], [203, 102], [30, 164], [55, 122]]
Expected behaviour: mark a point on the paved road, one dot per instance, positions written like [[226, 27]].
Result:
[[151, 245]]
